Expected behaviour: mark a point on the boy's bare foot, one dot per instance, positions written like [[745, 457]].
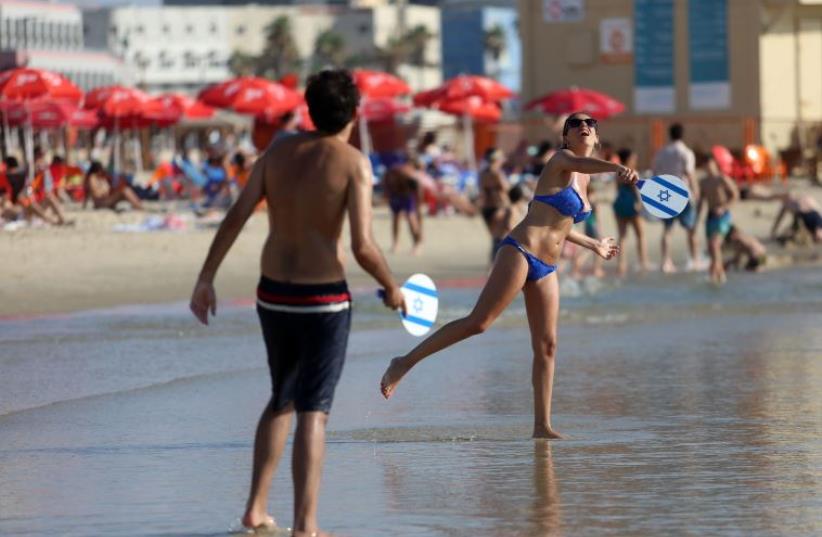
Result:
[[547, 434], [256, 521], [396, 370], [317, 533], [668, 267]]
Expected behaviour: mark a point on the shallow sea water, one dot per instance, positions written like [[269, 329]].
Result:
[[690, 410]]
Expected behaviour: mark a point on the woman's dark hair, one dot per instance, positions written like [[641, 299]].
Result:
[[516, 193], [95, 167], [332, 98], [11, 162], [624, 155], [239, 159]]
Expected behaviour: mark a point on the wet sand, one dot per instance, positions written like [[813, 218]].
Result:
[[709, 426]]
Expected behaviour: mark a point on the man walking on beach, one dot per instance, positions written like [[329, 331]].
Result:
[[677, 159], [310, 181]]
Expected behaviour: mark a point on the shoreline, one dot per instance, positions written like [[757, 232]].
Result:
[[53, 271]]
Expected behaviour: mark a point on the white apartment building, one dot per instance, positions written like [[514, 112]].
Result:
[[185, 48], [169, 48], [50, 36]]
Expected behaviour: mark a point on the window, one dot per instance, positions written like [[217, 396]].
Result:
[[213, 28], [189, 29], [240, 29], [166, 29]]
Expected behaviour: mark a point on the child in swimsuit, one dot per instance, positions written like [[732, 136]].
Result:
[[745, 246], [526, 261], [718, 192]]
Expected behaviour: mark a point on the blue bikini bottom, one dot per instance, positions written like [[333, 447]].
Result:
[[537, 268]]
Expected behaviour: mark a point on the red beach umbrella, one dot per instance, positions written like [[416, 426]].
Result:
[[566, 101], [169, 108], [49, 114], [251, 95], [376, 84], [474, 107], [463, 86], [382, 109], [25, 84]]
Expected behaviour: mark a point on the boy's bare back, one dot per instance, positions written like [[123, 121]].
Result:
[[717, 193], [307, 180]]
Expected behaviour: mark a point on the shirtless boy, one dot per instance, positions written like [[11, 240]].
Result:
[[311, 182]]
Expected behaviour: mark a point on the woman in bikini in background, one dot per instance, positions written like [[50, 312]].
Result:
[[527, 262]]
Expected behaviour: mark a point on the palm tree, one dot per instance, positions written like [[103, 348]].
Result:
[[494, 44], [242, 64], [417, 39], [329, 49], [280, 54], [393, 54]]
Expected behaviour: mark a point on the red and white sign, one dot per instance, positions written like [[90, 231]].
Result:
[[616, 40], [563, 10]]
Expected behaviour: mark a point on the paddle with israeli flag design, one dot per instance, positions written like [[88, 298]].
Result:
[[421, 303], [664, 196]]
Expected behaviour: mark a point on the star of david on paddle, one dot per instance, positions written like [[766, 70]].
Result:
[[418, 304], [664, 195]]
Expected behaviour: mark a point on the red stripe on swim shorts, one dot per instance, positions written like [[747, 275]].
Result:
[[302, 300]]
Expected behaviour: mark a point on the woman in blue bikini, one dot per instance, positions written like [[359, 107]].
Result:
[[526, 262]]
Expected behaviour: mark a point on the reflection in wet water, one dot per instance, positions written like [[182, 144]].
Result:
[[697, 420]]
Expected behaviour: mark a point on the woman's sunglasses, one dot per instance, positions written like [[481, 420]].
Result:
[[575, 122]]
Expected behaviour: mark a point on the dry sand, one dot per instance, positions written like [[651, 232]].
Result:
[[52, 270]]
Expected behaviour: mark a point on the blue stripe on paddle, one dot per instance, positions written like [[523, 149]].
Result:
[[653, 203], [419, 321], [670, 186], [419, 289]]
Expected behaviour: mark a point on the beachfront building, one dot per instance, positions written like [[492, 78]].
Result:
[[479, 38], [49, 36], [732, 71], [169, 49], [185, 48]]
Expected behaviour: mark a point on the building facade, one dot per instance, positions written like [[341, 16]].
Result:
[[186, 48], [466, 29], [50, 36], [732, 71], [168, 48]]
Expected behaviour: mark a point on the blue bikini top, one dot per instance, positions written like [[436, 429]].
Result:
[[568, 202]]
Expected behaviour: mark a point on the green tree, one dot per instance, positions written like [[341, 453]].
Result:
[[408, 48], [280, 54], [242, 64], [494, 45], [417, 39], [392, 55], [329, 49]]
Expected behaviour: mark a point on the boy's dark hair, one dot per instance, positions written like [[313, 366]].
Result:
[[624, 154], [676, 131], [57, 159], [239, 159], [516, 193], [544, 148], [332, 98], [11, 162]]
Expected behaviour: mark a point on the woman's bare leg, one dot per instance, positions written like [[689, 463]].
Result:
[[642, 249], [505, 281], [622, 229], [415, 226], [542, 307], [131, 196], [395, 231]]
